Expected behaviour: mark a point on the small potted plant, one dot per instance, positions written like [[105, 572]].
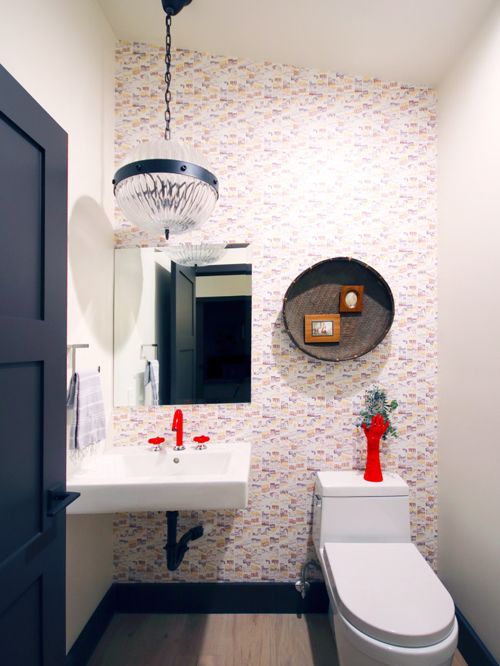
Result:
[[376, 425]]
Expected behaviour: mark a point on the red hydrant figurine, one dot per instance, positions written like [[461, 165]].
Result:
[[373, 434]]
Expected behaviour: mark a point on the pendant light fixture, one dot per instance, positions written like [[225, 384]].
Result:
[[166, 186], [195, 254]]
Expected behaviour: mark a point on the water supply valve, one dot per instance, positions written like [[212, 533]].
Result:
[[201, 439], [156, 442]]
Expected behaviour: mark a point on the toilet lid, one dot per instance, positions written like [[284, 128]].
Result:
[[388, 591]]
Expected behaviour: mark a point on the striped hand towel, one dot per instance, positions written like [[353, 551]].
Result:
[[85, 398], [152, 375]]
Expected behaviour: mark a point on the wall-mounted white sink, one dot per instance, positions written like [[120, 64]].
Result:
[[134, 478]]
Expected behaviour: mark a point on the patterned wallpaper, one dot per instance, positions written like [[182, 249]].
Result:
[[311, 165]]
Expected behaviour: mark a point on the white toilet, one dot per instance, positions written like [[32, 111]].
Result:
[[387, 605]]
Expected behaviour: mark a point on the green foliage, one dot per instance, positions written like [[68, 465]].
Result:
[[376, 403]]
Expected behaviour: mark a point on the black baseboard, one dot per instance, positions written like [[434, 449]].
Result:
[[193, 598], [218, 598], [471, 647], [229, 598], [93, 631]]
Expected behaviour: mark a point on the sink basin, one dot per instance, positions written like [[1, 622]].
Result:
[[134, 478]]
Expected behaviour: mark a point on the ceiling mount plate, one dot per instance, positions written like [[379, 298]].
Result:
[[173, 7]]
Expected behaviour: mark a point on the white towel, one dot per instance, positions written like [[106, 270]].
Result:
[[152, 375], [85, 397]]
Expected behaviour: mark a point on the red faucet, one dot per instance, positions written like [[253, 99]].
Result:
[[177, 427]]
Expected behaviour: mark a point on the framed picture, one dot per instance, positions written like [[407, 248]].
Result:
[[321, 328], [351, 298]]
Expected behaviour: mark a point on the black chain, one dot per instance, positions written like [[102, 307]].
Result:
[[168, 76]]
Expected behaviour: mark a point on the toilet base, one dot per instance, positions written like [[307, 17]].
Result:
[[357, 649]]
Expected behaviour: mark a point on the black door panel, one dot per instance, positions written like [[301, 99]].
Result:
[[183, 341], [33, 218]]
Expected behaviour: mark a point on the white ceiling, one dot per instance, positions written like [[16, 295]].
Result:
[[413, 41]]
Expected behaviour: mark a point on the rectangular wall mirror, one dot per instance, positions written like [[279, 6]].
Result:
[[182, 334]]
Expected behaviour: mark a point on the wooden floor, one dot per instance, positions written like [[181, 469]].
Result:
[[218, 640]]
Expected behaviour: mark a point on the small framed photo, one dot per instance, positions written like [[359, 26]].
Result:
[[321, 328], [351, 298]]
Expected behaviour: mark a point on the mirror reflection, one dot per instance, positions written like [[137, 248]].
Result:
[[182, 333]]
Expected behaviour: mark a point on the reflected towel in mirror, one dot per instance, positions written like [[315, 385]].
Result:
[[152, 376]]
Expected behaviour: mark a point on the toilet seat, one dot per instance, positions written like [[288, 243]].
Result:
[[389, 592]]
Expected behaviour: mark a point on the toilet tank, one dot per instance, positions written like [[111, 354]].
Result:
[[346, 508]]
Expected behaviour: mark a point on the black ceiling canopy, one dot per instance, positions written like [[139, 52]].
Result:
[[173, 7]]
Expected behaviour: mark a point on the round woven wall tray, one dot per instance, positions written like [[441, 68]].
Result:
[[317, 291]]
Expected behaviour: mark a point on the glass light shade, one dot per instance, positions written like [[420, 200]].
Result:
[[166, 200], [195, 254]]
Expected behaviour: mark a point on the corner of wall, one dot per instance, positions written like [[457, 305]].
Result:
[[89, 568], [469, 363]]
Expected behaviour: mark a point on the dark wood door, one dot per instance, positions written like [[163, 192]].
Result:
[[33, 214], [163, 286], [183, 342]]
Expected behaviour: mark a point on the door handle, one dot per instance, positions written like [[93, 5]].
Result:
[[59, 499]]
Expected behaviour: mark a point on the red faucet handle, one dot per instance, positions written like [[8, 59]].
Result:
[[201, 439], [156, 440]]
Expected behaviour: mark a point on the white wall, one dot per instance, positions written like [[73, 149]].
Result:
[[469, 340], [135, 317], [63, 54], [89, 570], [223, 285]]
